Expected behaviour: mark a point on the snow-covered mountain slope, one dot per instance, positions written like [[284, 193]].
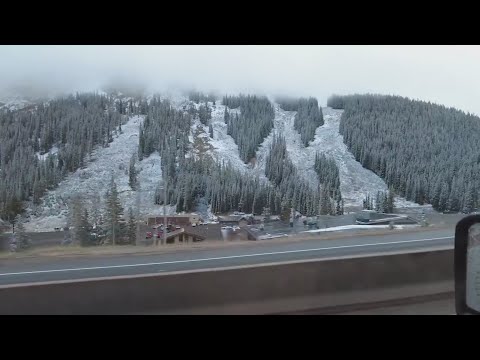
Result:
[[93, 182], [14, 103], [283, 125], [355, 180]]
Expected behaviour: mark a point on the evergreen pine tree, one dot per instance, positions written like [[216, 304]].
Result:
[[75, 218], [141, 143], [22, 239], [114, 213], [442, 204], [132, 228], [210, 130], [378, 202], [325, 206], [384, 202], [132, 174], [390, 201], [83, 231], [79, 221], [339, 210], [95, 211], [469, 200]]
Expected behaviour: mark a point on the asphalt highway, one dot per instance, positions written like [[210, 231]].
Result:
[[62, 268]]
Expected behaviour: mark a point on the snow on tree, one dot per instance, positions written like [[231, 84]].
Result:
[[210, 130], [132, 173], [72, 124], [383, 202], [113, 216], [79, 221], [424, 152], [252, 126], [307, 119], [23, 240], [131, 228]]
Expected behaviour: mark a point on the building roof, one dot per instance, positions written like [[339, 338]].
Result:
[[171, 216], [230, 218]]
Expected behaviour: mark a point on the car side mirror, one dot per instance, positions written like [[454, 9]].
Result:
[[467, 266]]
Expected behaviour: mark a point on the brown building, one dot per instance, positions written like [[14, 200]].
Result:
[[180, 220]]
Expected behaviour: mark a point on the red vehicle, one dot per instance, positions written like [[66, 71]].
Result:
[[149, 235]]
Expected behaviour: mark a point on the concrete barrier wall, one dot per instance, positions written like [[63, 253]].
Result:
[[222, 288]]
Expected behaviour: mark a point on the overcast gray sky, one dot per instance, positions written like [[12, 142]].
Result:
[[448, 75]]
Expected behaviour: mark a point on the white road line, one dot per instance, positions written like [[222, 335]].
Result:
[[219, 258]]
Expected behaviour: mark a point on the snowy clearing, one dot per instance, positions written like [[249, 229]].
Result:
[[355, 181], [43, 157], [225, 148], [93, 181]]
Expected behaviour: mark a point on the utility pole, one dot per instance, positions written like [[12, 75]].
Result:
[[164, 239], [114, 215], [139, 194], [113, 231]]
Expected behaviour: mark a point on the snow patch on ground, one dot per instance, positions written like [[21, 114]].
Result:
[[205, 212], [404, 203], [43, 157], [356, 227]]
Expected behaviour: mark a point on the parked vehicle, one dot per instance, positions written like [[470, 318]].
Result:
[[149, 235]]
